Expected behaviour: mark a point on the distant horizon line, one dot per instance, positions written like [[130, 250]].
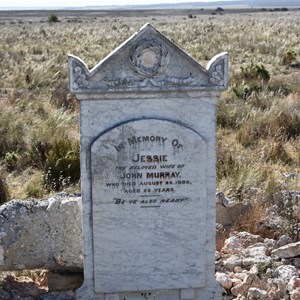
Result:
[[131, 5], [178, 4]]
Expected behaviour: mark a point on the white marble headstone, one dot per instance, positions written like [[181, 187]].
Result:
[[148, 116], [148, 206]]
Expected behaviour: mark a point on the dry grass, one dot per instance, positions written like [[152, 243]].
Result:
[[258, 120]]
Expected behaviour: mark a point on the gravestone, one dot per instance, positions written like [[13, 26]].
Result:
[[148, 118]]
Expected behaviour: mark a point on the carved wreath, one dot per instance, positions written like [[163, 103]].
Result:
[[149, 58]]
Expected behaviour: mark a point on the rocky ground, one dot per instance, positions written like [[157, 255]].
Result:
[[247, 266], [262, 265], [255, 268]]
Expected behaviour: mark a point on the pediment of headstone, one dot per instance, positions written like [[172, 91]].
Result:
[[148, 61]]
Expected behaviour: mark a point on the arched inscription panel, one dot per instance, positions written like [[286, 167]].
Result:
[[149, 209]]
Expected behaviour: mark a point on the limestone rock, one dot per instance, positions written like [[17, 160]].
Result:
[[288, 251], [237, 269], [248, 239], [44, 234], [232, 245], [293, 284], [250, 281], [296, 262], [233, 261], [227, 212], [255, 293], [287, 272], [256, 254], [224, 279], [283, 240], [295, 294], [278, 287]]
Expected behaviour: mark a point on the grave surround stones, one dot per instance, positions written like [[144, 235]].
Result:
[[147, 119]]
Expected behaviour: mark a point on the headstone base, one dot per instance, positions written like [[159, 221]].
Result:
[[207, 293]]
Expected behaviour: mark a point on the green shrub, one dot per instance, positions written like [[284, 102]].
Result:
[[252, 77], [255, 71], [11, 159], [288, 57], [62, 167], [53, 18]]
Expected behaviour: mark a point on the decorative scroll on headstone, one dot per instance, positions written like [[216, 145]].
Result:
[[148, 116]]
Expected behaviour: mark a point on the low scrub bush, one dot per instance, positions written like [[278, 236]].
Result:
[[280, 120], [229, 111], [53, 18], [11, 160], [34, 188], [274, 151], [62, 167], [60, 96], [288, 57], [291, 213], [11, 132], [254, 71], [252, 77]]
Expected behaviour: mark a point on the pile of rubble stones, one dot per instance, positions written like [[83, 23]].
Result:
[[251, 267]]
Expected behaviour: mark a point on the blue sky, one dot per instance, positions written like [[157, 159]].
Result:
[[80, 3]]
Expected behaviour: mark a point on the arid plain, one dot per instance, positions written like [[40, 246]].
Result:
[[258, 116]]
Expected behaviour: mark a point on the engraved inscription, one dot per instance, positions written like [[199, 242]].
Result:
[[149, 170], [148, 187]]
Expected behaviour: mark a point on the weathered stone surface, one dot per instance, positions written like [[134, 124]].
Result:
[[248, 239], [295, 294], [296, 262], [227, 213], [224, 279], [256, 293], [250, 281], [232, 245], [147, 62], [293, 284], [233, 261], [288, 251], [148, 121], [245, 256], [43, 234], [256, 254], [287, 272], [283, 240], [142, 227]]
